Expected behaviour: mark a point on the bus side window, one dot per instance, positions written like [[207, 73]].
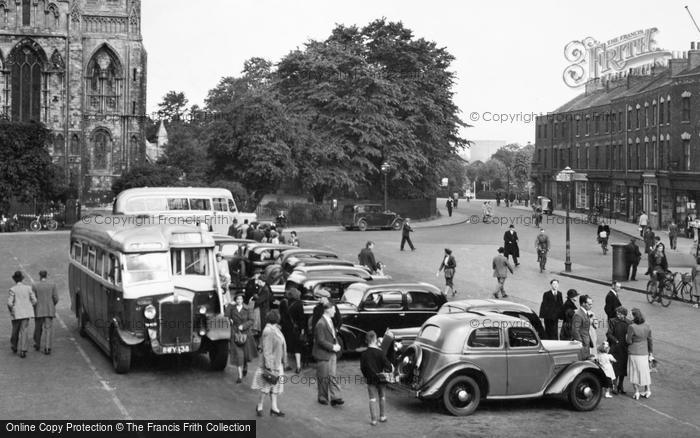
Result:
[[91, 258], [115, 273], [220, 204], [98, 263], [77, 251], [178, 204], [84, 258], [200, 204], [232, 206]]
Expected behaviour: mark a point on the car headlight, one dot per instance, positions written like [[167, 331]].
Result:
[[397, 345], [150, 311], [202, 310]]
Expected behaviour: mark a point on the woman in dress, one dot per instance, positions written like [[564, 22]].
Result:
[[241, 324], [640, 353], [617, 332], [448, 265], [272, 361], [21, 305]]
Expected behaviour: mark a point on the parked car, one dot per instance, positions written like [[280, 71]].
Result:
[[368, 306], [335, 284], [259, 255], [369, 216], [402, 338], [463, 358], [233, 251], [301, 273]]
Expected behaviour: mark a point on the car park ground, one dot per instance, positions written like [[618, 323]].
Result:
[[77, 382]]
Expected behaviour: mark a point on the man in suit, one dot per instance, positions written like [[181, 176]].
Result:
[[581, 324], [366, 257], [568, 312], [44, 312], [612, 301], [500, 271], [510, 244], [632, 257], [406, 231], [551, 310], [324, 351]]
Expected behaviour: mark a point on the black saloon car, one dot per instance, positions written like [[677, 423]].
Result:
[[366, 216]]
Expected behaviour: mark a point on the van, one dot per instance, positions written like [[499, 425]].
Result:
[[214, 207]]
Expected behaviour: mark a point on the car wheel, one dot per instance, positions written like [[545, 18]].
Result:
[[461, 396], [218, 355], [362, 225], [397, 224], [585, 392], [120, 353]]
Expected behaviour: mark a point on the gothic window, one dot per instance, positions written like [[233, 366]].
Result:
[[26, 68], [104, 82], [101, 146], [134, 149], [75, 145], [26, 12], [59, 145]]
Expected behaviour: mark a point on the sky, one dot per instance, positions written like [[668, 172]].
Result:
[[509, 54]]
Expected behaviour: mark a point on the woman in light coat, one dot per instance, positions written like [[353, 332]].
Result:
[[21, 304], [640, 354], [273, 360]]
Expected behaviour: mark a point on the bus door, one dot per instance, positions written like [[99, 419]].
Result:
[[222, 217]]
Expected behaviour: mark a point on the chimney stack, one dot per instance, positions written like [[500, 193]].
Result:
[[694, 55]]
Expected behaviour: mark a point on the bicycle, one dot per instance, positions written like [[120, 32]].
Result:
[[542, 258], [44, 221], [603, 244], [669, 289]]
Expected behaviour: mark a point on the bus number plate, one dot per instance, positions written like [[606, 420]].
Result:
[[176, 349]]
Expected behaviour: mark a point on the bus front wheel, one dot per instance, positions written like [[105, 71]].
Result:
[[218, 355], [120, 353]]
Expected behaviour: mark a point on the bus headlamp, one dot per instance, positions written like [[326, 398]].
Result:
[[202, 310], [149, 312]]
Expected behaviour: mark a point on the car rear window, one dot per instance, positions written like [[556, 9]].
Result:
[[485, 337], [421, 301], [521, 337], [430, 333]]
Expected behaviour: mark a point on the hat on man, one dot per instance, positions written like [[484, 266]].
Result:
[[571, 293], [322, 293]]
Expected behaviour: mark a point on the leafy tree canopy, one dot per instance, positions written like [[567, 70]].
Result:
[[173, 106], [148, 175]]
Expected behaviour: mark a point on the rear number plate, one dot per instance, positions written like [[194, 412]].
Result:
[[176, 349]]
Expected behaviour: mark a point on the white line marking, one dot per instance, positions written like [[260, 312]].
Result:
[[103, 382], [670, 417]]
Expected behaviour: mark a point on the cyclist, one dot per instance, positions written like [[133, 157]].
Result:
[[603, 235], [486, 210], [660, 269], [542, 248]]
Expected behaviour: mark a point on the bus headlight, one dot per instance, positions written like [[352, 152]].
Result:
[[149, 312], [202, 310]]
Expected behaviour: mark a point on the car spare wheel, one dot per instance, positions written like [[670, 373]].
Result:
[[461, 395]]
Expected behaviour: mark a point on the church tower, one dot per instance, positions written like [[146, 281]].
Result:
[[79, 67]]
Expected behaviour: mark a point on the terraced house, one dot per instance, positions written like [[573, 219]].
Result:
[[633, 140], [78, 66]]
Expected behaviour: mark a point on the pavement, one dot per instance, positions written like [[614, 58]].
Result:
[[680, 260]]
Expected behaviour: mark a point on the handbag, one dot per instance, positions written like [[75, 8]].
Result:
[[269, 377], [240, 338]]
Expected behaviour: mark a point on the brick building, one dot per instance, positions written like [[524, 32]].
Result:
[[633, 140], [78, 66]]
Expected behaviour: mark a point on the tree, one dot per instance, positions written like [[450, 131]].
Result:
[[151, 175], [368, 96], [187, 151], [508, 156], [173, 106], [491, 173], [26, 170]]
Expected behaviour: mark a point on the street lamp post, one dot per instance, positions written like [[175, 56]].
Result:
[[385, 170], [566, 176]]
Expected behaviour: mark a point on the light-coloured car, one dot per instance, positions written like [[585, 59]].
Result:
[[463, 358]]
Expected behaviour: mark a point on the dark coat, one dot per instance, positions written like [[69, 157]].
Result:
[[632, 253], [293, 323], [612, 302], [406, 229], [617, 332], [366, 258], [510, 244], [568, 312], [552, 306], [241, 354], [262, 300], [649, 241]]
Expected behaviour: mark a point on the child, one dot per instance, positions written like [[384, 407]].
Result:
[[373, 362], [605, 360], [380, 269]]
